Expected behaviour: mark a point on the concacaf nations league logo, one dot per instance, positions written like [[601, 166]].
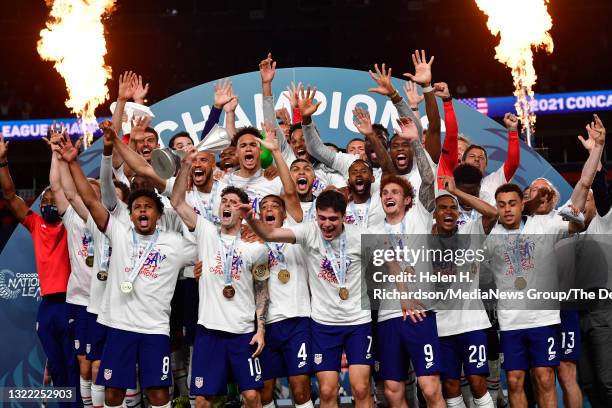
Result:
[[13, 285]]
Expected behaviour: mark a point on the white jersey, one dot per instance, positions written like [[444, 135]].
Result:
[[365, 215], [327, 307], [256, 187], [490, 183], [215, 312], [328, 177], [169, 220], [80, 242], [464, 315], [146, 309], [416, 222], [290, 299], [205, 204], [414, 177], [309, 210], [538, 267]]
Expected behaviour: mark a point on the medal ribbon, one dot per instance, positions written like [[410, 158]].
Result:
[[364, 222], [227, 256], [139, 261], [338, 268], [206, 209]]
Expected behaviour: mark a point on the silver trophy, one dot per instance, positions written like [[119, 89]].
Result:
[[167, 161]]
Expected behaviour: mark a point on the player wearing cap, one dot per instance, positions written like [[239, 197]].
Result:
[[340, 311], [233, 289], [142, 275], [462, 323], [53, 268]]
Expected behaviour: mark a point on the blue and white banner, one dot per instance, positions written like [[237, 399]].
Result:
[[34, 129], [339, 90]]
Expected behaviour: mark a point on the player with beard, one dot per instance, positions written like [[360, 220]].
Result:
[[396, 337], [363, 210], [477, 156], [233, 290], [537, 327], [296, 148], [288, 351], [462, 323], [142, 275], [338, 288], [53, 268]]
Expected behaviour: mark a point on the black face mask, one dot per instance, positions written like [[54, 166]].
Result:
[[50, 213]]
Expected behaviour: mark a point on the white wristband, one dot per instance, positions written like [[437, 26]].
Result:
[[427, 89]]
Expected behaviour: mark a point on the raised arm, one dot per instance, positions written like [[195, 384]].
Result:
[[56, 135], [385, 87], [290, 195], [128, 83], [514, 149], [596, 138], [364, 125], [488, 212], [264, 231], [16, 203], [409, 131], [314, 144], [141, 91], [448, 155], [99, 214], [222, 96], [70, 190], [230, 113], [179, 190], [133, 159], [107, 187], [422, 76]]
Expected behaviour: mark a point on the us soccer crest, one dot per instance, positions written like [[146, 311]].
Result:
[[199, 382], [318, 358], [108, 373]]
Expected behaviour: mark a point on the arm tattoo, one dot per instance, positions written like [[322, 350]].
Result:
[[262, 301], [426, 192]]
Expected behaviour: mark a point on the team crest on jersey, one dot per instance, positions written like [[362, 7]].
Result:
[[349, 218], [236, 266], [524, 246], [151, 264], [108, 373], [318, 359], [84, 245], [77, 344], [199, 382], [326, 272]]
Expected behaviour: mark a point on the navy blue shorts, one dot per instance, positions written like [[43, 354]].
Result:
[[220, 357], [329, 341], [570, 336], [399, 341], [81, 319], [124, 349], [96, 337], [465, 350], [287, 350], [527, 348]]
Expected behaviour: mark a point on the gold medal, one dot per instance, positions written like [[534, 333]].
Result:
[[520, 283], [284, 275], [89, 260], [261, 272], [229, 292], [344, 293], [102, 276]]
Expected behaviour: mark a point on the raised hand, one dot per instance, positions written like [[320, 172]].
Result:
[[408, 129], [383, 80], [596, 131], [3, 149], [223, 93], [306, 103], [128, 83], [190, 154], [441, 90], [283, 115], [246, 210], [140, 93], [411, 93], [270, 142], [422, 74], [108, 132], [511, 122], [233, 103], [449, 183], [68, 151], [139, 125], [267, 68], [362, 121], [292, 94]]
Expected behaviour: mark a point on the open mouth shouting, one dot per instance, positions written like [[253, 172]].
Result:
[[143, 221], [269, 218], [249, 160], [198, 175], [301, 153], [226, 215], [390, 204], [146, 153], [302, 184], [360, 185], [402, 160], [449, 222]]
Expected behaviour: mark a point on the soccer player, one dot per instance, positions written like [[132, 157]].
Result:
[[53, 267], [303, 175], [340, 321], [142, 274], [233, 290], [462, 323], [476, 156]]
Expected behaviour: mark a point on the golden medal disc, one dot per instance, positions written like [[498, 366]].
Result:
[[344, 293], [284, 275]]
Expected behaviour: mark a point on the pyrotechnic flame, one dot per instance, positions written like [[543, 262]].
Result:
[[74, 40], [522, 26]]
